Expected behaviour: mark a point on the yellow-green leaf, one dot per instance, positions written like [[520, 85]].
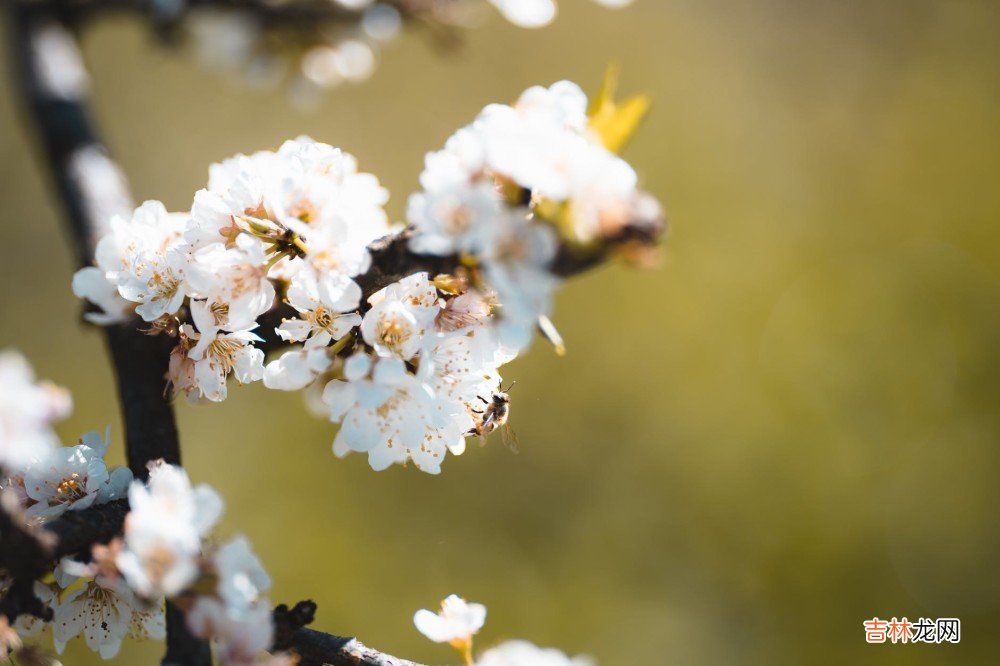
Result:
[[616, 122]]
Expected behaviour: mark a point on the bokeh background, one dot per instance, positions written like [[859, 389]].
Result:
[[790, 427]]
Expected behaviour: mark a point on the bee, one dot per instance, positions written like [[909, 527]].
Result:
[[494, 415]]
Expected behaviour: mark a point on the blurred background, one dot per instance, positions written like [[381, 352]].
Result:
[[788, 428]]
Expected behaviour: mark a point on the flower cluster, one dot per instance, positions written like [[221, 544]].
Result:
[[409, 365], [28, 408], [47, 483], [508, 189], [414, 388], [69, 478], [295, 222], [458, 621], [237, 43], [164, 554], [40, 479]]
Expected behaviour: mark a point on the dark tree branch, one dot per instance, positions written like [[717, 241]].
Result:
[[91, 189], [393, 260], [27, 553], [315, 647], [57, 108], [306, 14], [52, 82]]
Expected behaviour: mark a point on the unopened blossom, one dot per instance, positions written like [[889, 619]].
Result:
[[181, 368], [105, 611], [464, 311], [164, 531], [400, 315], [73, 478], [9, 640], [28, 408], [456, 622], [523, 653]]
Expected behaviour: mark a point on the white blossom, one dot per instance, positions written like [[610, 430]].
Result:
[[527, 13], [453, 219], [516, 266], [400, 315], [140, 256], [307, 187], [242, 578], [164, 530], [91, 283], [506, 188], [239, 619], [28, 408], [393, 416], [240, 637], [29, 625], [321, 320], [523, 653], [217, 353], [234, 279], [540, 13], [73, 478], [456, 622], [301, 217], [433, 365], [105, 610]]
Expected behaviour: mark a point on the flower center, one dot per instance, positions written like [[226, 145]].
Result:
[[458, 220], [224, 351], [323, 318], [393, 332], [70, 489]]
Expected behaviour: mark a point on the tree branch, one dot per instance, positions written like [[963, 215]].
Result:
[[305, 14], [91, 189], [52, 81], [393, 260], [315, 647]]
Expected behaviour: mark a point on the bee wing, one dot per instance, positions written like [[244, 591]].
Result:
[[509, 438]]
